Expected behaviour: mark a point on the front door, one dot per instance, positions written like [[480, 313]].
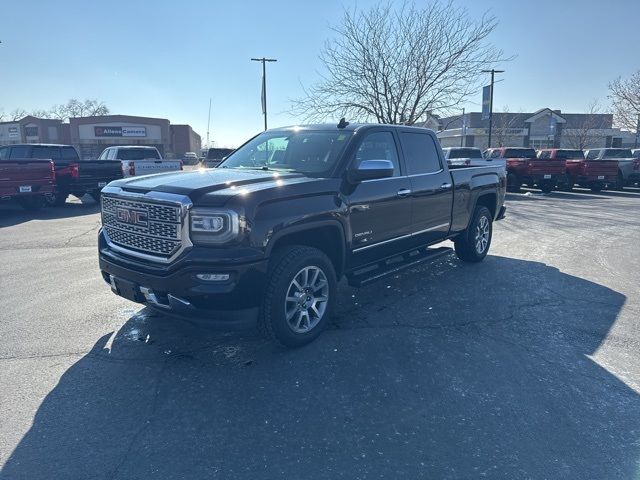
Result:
[[379, 210], [431, 187]]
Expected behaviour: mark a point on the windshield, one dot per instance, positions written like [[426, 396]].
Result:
[[218, 153], [617, 153], [137, 153], [310, 152], [465, 153], [569, 154], [520, 153]]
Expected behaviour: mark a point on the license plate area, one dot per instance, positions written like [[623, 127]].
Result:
[[126, 289], [25, 188], [600, 177], [547, 177], [102, 184]]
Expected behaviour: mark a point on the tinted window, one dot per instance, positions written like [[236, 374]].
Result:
[[592, 154], [217, 153], [465, 153], [617, 153], [69, 153], [52, 153], [520, 153], [379, 146], [636, 153], [21, 151], [4, 153], [495, 154], [569, 154], [544, 154], [103, 155], [137, 153], [420, 153]]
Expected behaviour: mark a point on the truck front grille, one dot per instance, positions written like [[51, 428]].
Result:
[[149, 227]]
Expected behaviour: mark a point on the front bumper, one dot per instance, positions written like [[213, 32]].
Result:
[[175, 287]]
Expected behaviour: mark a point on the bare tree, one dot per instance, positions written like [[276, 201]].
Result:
[[86, 108], [395, 65], [41, 113], [625, 96], [585, 134], [2, 115], [17, 114], [502, 128]]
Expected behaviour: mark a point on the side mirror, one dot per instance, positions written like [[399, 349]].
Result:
[[371, 170]]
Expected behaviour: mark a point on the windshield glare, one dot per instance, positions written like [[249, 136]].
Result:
[[617, 153], [309, 152]]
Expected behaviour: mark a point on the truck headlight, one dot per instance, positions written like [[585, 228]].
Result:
[[212, 227]]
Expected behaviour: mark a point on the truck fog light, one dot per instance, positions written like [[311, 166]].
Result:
[[213, 277]]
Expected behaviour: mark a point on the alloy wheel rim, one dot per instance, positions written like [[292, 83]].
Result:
[[306, 299], [482, 235]]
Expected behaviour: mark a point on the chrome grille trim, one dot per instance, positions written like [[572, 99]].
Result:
[[166, 234]]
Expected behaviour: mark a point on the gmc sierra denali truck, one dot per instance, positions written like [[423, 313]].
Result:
[[285, 216]]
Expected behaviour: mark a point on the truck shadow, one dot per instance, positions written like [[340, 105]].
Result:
[[446, 371], [12, 214]]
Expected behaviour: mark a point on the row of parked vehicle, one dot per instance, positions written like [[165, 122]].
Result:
[[556, 168], [35, 175]]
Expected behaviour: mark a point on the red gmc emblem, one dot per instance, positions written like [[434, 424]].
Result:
[[132, 217]]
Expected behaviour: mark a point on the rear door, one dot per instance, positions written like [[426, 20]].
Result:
[[379, 210], [431, 187]]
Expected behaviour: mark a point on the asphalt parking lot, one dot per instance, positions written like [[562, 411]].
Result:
[[524, 366]]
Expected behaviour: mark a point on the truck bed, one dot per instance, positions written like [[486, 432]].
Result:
[[26, 177]]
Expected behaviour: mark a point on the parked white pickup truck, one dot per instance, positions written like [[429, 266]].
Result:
[[139, 160]]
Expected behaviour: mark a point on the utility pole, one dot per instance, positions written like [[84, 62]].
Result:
[[264, 85], [208, 122], [493, 72], [463, 129]]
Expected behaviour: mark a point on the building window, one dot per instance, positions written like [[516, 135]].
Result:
[[31, 131]]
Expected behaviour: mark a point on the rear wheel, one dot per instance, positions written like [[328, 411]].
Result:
[[299, 296], [513, 183], [32, 203], [96, 195], [596, 187], [570, 183], [547, 187], [620, 182], [56, 199], [473, 244]]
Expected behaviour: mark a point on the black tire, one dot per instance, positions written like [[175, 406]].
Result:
[[547, 187], [96, 195], [570, 183], [513, 183], [466, 245], [32, 203], [596, 187], [620, 182], [285, 266], [56, 199]]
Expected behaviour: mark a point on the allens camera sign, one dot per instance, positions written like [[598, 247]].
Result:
[[120, 131]]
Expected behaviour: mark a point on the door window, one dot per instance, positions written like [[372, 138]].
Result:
[[21, 151], [379, 146], [420, 153]]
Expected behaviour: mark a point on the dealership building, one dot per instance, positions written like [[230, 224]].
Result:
[[91, 135], [544, 128]]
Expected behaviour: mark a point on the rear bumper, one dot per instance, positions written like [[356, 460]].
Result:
[[538, 179], [7, 192], [588, 179], [176, 289]]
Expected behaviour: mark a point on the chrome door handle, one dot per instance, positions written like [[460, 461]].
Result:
[[445, 186], [404, 192]]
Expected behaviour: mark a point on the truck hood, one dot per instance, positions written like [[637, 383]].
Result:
[[217, 184]]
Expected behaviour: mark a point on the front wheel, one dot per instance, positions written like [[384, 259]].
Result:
[[299, 296], [473, 244]]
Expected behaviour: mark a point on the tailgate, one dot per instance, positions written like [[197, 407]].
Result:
[[26, 172], [102, 171], [147, 167], [545, 167], [608, 168]]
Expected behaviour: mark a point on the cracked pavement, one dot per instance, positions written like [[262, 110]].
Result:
[[524, 366]]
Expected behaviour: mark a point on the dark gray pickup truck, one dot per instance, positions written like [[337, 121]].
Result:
[[288, 214]]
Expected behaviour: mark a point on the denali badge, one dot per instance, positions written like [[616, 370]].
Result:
[[132, 217]]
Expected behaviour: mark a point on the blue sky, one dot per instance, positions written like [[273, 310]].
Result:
[[166, 58]]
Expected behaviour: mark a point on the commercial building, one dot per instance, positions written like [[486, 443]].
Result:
[[545, 128], [91, 135]]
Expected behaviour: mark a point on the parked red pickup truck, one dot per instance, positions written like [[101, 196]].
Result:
[[593, 174], [27, 181], [523, 167]]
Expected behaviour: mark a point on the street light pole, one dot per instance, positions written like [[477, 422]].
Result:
[[264, 84], [493, 72]]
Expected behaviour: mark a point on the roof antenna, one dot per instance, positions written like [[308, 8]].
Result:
[[343, 123]]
